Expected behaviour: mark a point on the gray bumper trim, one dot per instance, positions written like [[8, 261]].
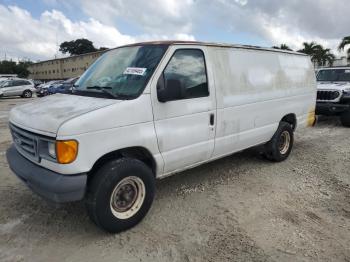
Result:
[[323, 108], [48, 184]]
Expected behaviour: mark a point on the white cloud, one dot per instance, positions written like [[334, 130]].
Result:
[[156, 16], [269, 21], [291, 22], [23, 36]]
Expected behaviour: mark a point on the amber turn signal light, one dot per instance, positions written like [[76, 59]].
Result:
[[66, 151]]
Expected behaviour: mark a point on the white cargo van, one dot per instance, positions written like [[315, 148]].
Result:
[[149, 110]]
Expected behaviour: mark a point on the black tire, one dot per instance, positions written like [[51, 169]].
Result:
[[345, 118], [102, 186], [27, 94], [274, 151]]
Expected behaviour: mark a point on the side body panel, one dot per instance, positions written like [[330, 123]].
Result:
[[255, 89]]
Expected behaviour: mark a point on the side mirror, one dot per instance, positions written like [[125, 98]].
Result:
[[169, 90]]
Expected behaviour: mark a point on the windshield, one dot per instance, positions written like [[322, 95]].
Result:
[[334, 75], [123, 72]]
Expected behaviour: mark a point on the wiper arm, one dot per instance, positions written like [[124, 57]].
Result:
[[105, 89]]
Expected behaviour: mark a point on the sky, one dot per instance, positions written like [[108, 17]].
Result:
[[33, 29]]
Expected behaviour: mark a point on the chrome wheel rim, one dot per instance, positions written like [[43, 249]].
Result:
[[127, 197], [284, 142], [27, 94]]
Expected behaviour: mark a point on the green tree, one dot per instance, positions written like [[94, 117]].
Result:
[[319, 55], [77, 47], [310, 48], [22, 69], [11, 67], [283, 47], [103, 48], [344, 43], [324, 57]]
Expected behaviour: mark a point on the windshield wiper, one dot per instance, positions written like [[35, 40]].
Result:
[[105, 90]]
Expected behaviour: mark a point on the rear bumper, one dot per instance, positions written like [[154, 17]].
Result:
[[331, 108], [46, 183]]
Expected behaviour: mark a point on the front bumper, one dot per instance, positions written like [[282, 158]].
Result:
[[323, 108], [46, 183]]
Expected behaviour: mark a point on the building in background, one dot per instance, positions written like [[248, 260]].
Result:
[[62, 68], [343, 61], [338, 62]]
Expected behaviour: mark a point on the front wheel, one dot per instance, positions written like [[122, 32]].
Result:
[[280, 145], [120, 194], [345, 118]]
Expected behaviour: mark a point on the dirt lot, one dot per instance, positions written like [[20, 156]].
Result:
[[240, 208]]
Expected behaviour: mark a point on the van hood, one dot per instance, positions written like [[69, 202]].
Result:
[[339, 86], [46, 115]]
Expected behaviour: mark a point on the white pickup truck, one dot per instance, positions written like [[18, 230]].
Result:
[[149, 110], [333, 93]]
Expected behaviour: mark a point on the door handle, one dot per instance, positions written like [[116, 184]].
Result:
[[212, 119]]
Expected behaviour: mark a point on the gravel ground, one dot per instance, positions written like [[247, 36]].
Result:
[[240, 208]]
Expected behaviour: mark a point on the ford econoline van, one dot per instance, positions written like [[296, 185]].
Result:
[[149, 110]]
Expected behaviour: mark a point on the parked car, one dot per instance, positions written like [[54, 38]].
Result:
[[333, 93], [37, 83], [147, 111], [52, 87], [43, 89], [63, 87], [17, 87]]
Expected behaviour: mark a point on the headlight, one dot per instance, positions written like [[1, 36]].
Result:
[[51, 148], [66, 151]]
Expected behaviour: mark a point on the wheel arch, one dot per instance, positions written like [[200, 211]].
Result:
[[136, 152], [291, 119]]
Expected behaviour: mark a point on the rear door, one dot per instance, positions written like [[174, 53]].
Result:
[[185, 126], [18, 87], [24, 85]]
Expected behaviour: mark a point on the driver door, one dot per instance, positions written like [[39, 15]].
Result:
[[185, 124]]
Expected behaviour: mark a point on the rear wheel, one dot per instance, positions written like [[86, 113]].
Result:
[[27, 94], [345, 118], [280, 146], [120, 194]]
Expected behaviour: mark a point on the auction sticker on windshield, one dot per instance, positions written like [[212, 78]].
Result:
[[135, 71]]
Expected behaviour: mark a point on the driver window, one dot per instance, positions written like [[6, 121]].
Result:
[[187, 68]]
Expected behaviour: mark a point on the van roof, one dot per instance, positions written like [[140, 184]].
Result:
[[224, 45], [334, 67]]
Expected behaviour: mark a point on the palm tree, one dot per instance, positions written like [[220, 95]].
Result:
[[283, 47], [345, 42], [323, 57], [319, 55], [310, 48]]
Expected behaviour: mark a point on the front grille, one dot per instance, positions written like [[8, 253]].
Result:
[[25, 142], [324, 95]]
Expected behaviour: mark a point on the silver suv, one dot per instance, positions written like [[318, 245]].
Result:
[[17, 87]]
